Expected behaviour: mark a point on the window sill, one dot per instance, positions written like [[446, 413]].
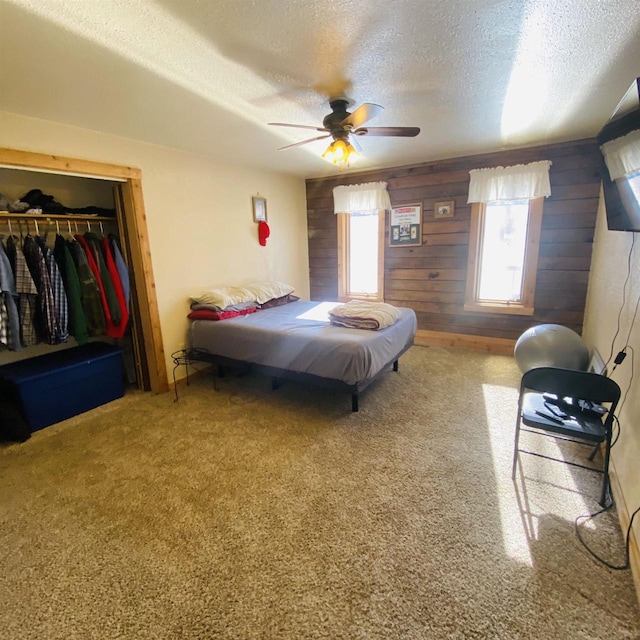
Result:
[[360, 296], [491, 307]]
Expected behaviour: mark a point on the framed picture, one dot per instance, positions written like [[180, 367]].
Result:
[[444, 209], [259, 208], [405, 226]]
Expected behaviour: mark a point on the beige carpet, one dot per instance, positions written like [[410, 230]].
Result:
[[247, 513]]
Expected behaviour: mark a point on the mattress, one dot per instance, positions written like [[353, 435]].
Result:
[[299, 337]]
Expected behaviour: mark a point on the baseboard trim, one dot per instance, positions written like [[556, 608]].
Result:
[[500, 346], [624, 516]]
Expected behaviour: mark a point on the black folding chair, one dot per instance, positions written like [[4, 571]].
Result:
[[568, 405]]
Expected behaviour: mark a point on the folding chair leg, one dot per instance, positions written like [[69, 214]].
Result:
[[593, 453], [515, 449]]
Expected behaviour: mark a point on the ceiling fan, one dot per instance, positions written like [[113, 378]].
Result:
[[343, 127]]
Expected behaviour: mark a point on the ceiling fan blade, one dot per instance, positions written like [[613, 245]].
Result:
[[297, 144], [362, 114], [297, 126], [405, 132]]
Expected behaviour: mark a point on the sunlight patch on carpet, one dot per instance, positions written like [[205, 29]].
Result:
[[543, 489]]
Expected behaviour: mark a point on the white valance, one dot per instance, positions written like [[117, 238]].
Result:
[[359, 198], [520, 182], [622, 155]]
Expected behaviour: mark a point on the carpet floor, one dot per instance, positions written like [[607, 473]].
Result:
[[241, 512]]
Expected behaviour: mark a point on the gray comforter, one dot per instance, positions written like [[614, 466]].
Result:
[[298, 337]]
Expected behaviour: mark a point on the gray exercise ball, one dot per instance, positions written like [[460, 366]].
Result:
[[551, 345]]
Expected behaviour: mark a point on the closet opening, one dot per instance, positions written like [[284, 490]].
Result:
[[106, 202]]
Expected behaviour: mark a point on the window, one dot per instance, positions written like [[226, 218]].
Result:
[[503, 256], [360, 210], [506, 215], [361, 255]]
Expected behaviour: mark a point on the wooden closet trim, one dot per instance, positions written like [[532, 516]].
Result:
[[135, 231], [72, 166]]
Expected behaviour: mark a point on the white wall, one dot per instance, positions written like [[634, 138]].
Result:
[[199, 217], [609, 268], [72, 191]]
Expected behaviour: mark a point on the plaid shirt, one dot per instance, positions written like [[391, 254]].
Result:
[[46, 317], [10, 323], [27, 293], [59, 293], [4, 322]]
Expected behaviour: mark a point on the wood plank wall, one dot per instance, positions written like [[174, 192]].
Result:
[[431, 278]]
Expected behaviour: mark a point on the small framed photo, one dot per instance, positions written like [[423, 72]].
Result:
[[259, 209], [444, 209]]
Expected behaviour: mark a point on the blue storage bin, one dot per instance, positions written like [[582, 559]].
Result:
[[56, 386]]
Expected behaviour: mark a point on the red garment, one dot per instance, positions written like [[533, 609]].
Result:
[[111, 328], [205, 314], [263, 233], [117, 286]]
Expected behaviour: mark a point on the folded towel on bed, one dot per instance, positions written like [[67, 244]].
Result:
[[360, 314]]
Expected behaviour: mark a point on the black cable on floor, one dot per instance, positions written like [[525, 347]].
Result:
[[589, 516]]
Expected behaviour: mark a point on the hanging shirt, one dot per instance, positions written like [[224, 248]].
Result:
[[121, 265], [89, 291], [27, 294], [117, 287], [46, 317], [77, 319], [4, 322], [10, 250], [107, 282], [59, 293], [10, 333], [93, 265]]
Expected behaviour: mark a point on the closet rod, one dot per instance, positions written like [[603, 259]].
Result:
[[50, 216]]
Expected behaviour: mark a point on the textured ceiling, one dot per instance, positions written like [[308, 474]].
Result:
[[206, 76]]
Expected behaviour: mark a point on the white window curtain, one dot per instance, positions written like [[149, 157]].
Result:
[[361, 198], [520, 182], [622, 155]]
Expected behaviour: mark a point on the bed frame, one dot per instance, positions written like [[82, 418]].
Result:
[[188, 357]]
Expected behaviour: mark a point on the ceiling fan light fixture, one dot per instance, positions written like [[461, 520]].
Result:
[[342, 125], [340, 152]]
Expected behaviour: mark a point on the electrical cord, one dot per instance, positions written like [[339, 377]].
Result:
[[617, 423], [589, 516], [626, 393], [624, 300], [633, 320], [619, 358]]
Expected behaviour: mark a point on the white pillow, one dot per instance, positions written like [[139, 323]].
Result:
[[267, 290], [224, 296]]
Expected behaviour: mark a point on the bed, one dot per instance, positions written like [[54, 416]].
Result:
[[296, 341]]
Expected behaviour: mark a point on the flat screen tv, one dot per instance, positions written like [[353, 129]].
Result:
[[622, 185]]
